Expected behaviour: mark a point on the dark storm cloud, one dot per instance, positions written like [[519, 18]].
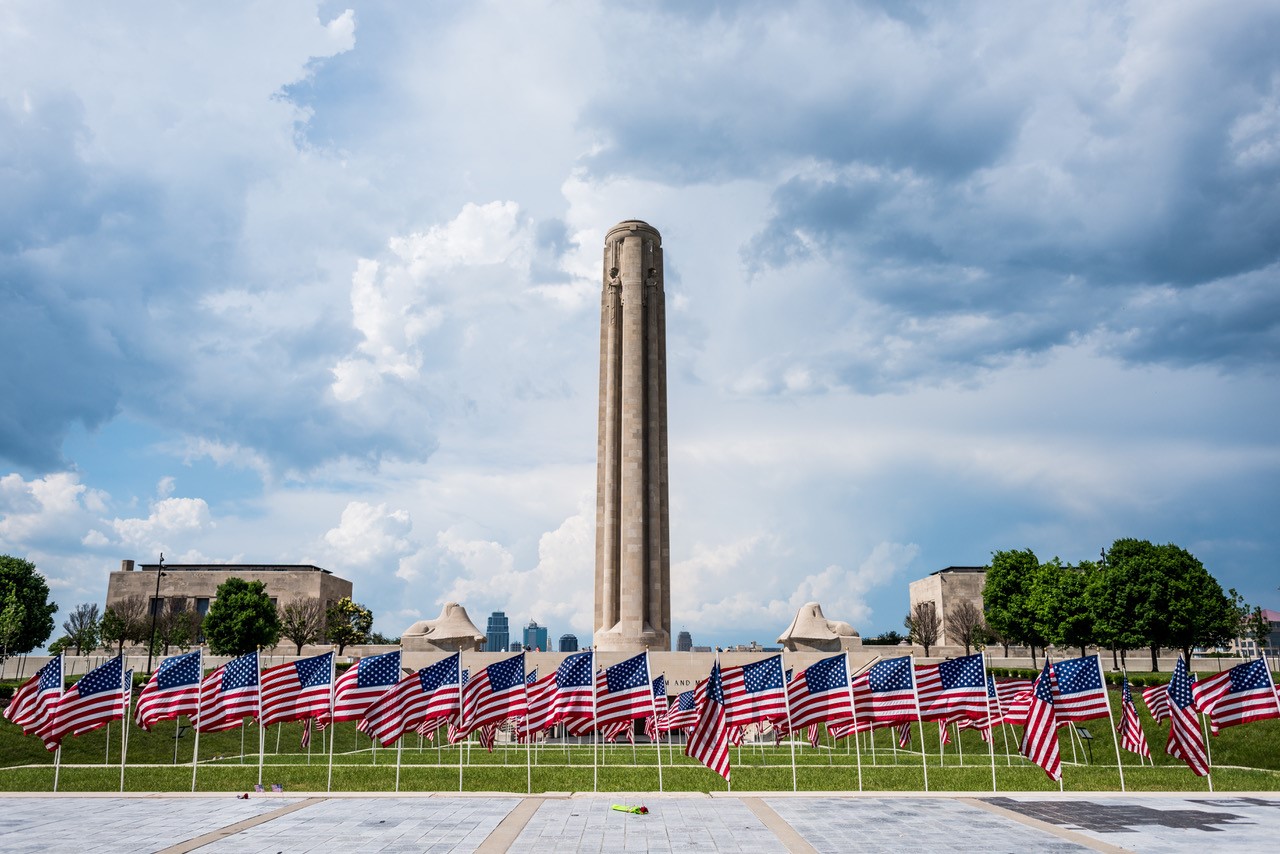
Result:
[[103, 272]]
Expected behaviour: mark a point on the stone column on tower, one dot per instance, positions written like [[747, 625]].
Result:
[[633, 552]]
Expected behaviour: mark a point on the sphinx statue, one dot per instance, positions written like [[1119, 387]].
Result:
[[452, 631], [811, 631]]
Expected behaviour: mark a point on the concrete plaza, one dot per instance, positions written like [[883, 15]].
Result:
[[760, 822]]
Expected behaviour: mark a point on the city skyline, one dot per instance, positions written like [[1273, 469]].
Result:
[[283, 286]]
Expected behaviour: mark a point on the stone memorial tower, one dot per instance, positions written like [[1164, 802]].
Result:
[[633, 551]]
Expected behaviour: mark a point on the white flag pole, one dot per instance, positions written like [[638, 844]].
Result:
[[991, 721], [653, 709], [333, 725], [399, 749], [195, 750], [595, 727], [262, 733], [124, 723], [57, 766], [853, 707], [790, 731], [1111, 720], [915, 692]]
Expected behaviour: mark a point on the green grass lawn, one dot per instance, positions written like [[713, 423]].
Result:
[[1245, 758]]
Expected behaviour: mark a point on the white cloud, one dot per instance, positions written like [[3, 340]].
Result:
[[45, 507], [169, 518], [368, 534]]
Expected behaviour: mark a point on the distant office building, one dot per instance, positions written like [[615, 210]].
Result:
[[684, 642], [497, 633], [515, 647], [568, 643], [535, 636]]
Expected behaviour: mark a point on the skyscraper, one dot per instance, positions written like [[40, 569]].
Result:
[[633, 551], [684, 642], [497, 633], [535, 636], [568, 643]]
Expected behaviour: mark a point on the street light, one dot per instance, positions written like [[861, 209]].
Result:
[[155, 607]]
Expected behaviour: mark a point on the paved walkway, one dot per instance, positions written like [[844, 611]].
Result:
[[764, 822]]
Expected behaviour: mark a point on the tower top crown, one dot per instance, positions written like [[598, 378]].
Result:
[[631, 226]]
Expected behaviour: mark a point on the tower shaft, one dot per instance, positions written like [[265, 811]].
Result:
[[633, 563]]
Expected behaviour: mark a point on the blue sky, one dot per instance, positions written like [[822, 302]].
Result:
[[291, 282]]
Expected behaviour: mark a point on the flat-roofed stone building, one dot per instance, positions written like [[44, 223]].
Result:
[[197, 583], [946, 589]]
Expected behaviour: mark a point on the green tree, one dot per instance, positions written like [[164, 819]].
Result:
[[1058, 599], [241, 619], [1113, 596], [1182, 606], [60, 646], [32, 593], [12, 615], [82, 626], [347, 622], [1007, 599]]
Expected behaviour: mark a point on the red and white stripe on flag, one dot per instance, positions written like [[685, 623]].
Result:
[[1132, 738], [432, 692], [1079, 691], [754, 692], [297, 690], [952, 689], [624, 692], [1040, 737], [92, 702], [173, 690], [709, 740], [33, 704], [1186, 739], [364, 682], [229, 694], [495, 693], [820, 693], [1241, 695]]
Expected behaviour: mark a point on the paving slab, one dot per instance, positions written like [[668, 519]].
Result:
[[387, 825], [744, 823], [124, 825]]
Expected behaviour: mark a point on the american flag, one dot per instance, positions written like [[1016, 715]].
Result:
[[623, 692], [575, 689], [1156, 699], [542, 705], [297, 690], [904, 735], [494, 694], [1237, 696], [1186, 741], [982, 726], [432, 692], [820, 693], [362, 683], [1079, 692], [682, 714], [754, 692], [709, 742], [951, 689], [428, 728], [659, 709], [885, 692], [1132, 738], [93, 702], [944, 732], [613, 730], [33, 704], [1011, 693], [1040, 737], [173, 690], [229, 694]]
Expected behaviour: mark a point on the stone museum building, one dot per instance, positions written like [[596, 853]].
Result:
[[197, 584], [946, 589]]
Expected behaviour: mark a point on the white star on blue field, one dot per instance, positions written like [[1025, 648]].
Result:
[[318, 282]]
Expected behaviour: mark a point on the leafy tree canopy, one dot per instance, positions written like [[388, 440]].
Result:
[[348, 623], [19, 577], [1007, 597], [241, 618]]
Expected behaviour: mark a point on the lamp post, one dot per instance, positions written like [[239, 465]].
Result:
[[155, 607]]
